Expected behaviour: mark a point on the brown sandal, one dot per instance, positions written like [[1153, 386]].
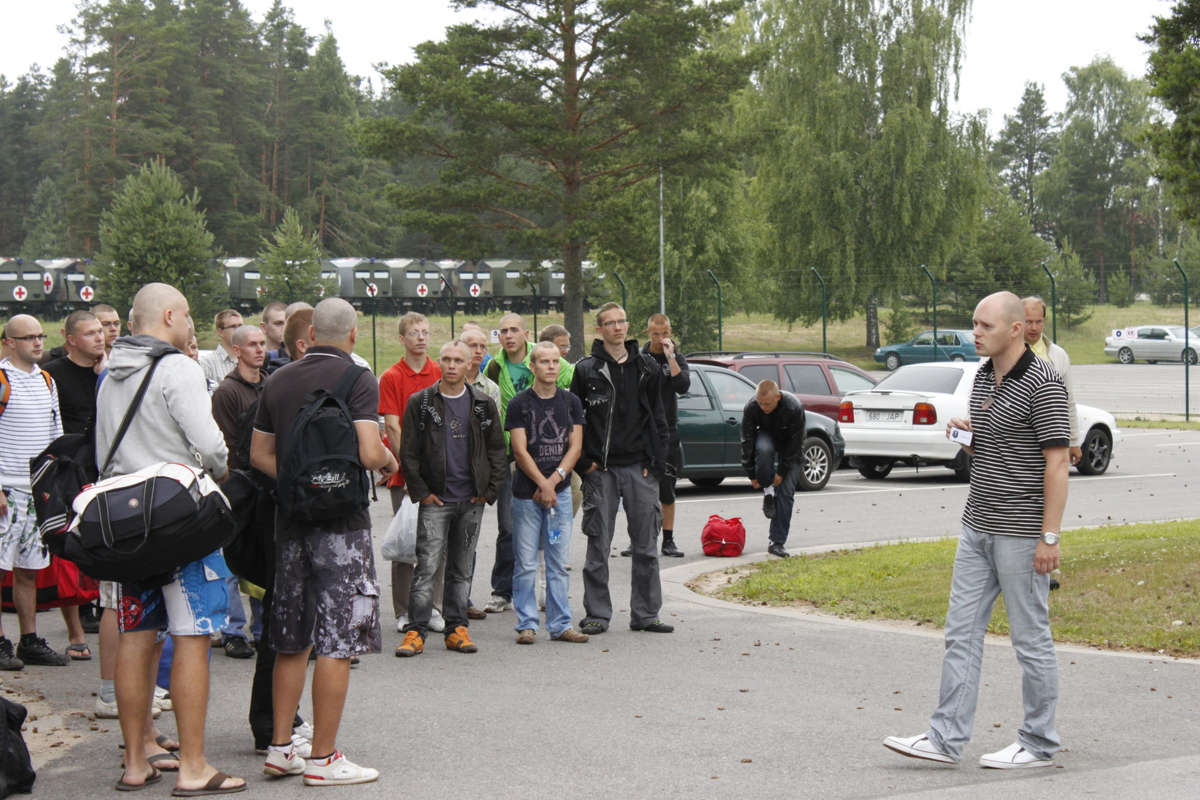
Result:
[[212, 787]]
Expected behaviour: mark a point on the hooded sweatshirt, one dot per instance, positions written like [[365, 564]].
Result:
[[174, 421]]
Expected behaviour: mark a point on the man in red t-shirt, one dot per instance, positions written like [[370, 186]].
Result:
[[401, 381]]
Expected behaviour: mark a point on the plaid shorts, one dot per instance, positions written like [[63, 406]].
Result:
[[326, 595]]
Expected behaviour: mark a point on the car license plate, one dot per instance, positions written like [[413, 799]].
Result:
[[885, 416]]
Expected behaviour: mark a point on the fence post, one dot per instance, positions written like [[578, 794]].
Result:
[[824, 310], [933, 283], [624, 293], [1186, 361], [720, 322], [1053, 304]]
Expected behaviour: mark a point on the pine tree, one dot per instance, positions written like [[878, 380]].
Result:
[[153, 231], [46, 225], [291, 264]]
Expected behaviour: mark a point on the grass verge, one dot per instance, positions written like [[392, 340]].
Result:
[[1171, 424], [1123, 587]]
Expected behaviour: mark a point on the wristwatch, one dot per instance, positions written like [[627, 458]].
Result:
[[560, 471], [1050, 537]]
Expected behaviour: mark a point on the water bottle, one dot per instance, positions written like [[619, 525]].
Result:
[[555, 529]]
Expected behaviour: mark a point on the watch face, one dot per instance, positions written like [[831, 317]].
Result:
[[1050, 538]]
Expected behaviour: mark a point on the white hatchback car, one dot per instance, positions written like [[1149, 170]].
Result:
[[903, 418]]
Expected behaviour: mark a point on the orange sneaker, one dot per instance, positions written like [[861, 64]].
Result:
[[412, 645], [460, 640]]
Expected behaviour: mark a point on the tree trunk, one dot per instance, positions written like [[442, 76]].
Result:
[[873, 320]]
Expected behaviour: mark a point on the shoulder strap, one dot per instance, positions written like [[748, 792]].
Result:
[[49, 381], [348, 379], [5, 390], [133, 407]]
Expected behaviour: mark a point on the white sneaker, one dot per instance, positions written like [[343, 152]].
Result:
[[280, 763], [109, 710], [304, 730], [162, 700], [401, 621], [497, 605], [437, 623], [917, 747], [1013, 757], [340, 771]]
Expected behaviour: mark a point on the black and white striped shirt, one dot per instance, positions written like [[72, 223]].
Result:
[[1012, 424]]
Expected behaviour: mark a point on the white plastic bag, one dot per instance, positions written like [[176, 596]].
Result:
[[400, 541]]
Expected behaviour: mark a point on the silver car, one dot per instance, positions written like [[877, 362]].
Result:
[[1153, 343]]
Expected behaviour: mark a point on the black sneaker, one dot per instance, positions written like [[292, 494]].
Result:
[[34, 650], [669, 548], [627, 552], [89, 618], [778, 550], [9, 661], [237, 647], [658, 626], [592, 627], [769, 506]]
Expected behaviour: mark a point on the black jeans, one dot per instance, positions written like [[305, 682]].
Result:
[[262, 708]]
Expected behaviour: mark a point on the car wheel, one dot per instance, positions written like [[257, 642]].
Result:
[[1125, 355], [1097, 452], [875, 469], [707, 483], [961, 466], [956, 357], [892, 361], [1189, 356], [818, 464]]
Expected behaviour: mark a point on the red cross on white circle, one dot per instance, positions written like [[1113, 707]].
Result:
[[474, 290], [86, 294], [372, 290], [47, 282], [422, 290], [19, 293]]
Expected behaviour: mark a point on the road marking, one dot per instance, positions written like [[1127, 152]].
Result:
[[1176, 444], [845, 492]]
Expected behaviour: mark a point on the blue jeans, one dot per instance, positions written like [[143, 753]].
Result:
[[236, 627], [984, 566], [765, 470], [531, 529]]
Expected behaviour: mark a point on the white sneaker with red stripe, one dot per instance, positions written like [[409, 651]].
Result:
[[283, 762], [337, 771]]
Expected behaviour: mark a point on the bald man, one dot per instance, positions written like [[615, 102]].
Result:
[[773, 456], [29, 421], [1019, 434], [173, 423]]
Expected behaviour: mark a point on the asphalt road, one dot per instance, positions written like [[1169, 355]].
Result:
[[738, 702]]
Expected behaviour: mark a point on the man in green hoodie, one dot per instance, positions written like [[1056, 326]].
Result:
[[510, 369]]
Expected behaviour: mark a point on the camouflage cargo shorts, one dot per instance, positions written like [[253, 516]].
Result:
[[326, 595]]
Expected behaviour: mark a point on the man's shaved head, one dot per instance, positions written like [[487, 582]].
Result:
[[767, 394], [1007, 305], [161, 311]]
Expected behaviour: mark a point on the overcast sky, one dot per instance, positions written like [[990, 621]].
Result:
[[1008, 41]]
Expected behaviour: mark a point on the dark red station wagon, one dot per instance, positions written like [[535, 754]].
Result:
[[818, 379]]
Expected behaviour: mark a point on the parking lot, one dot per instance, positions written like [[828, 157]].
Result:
[[738, 702]]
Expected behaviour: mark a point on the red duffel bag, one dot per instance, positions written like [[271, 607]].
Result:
[[723, 537], [60, 584]]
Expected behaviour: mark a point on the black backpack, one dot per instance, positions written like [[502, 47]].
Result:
[[59, 473], [320, 476]]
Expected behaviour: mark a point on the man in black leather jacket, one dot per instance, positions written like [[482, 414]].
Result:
[[773, 455], [624, 450]]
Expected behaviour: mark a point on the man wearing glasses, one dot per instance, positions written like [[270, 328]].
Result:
[[624, 453], [220, 361], [29, 420]]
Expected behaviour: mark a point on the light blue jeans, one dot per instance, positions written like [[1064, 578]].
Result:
[[984, 566], [533, 527]]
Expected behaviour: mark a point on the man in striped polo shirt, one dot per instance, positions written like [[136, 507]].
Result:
[[1019, 432]]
